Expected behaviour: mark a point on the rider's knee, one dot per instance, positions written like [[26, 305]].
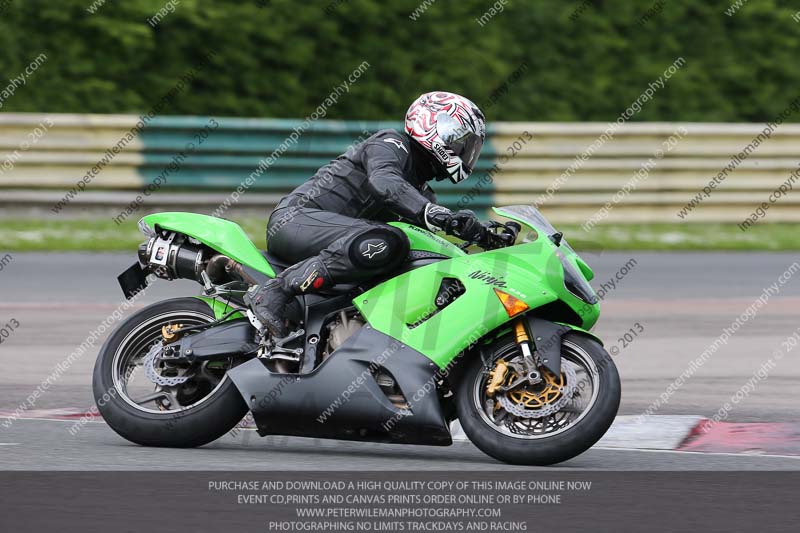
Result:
[[379, 247]]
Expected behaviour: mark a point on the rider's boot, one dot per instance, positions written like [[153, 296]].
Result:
[[269, 300]]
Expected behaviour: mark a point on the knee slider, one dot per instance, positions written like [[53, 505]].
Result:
[[381, 247]]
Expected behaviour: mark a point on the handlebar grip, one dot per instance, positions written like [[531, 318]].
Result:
[[513, 228], [507, 238]]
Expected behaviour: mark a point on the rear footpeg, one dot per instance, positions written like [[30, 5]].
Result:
[[290, 337], [278, 351], [286, 354], [290, 355]]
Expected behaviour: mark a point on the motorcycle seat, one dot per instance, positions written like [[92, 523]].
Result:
[[277, 264]]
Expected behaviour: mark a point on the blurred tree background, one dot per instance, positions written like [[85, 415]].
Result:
[[581, 60]]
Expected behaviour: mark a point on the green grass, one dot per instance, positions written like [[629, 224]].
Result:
[[774, 237], [96, 235], [103, 235]]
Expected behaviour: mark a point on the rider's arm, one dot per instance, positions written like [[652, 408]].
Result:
[[384, 168], [384, 165], [430, 194]]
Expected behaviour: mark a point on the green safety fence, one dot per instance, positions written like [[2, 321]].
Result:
[[234, 149], [629, 173]]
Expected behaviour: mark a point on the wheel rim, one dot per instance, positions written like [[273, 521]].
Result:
[[130, 381], [584, 398]]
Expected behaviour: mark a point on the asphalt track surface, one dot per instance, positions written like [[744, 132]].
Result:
[[681, 300]]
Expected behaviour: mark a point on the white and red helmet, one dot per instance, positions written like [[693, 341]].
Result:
[[451, 128]]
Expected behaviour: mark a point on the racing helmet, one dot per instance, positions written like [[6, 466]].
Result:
[[450, 128]]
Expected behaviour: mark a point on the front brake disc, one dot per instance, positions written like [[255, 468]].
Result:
[[563, 399]]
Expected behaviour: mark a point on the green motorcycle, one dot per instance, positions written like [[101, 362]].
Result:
[[496, 339]]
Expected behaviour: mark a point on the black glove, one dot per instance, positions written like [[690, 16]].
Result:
[[463, 224], [490, 240]]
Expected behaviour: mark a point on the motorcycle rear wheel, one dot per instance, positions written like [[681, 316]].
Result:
[[553, 438], [193, 414]]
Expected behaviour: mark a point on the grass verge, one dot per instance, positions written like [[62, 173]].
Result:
[[100, 235]]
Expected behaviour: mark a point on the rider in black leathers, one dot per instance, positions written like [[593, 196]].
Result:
[[333, 226]]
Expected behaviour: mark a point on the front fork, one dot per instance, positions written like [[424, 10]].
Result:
[[524, 343], [529, 371]]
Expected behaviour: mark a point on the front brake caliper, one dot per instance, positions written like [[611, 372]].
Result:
[[497, 377]]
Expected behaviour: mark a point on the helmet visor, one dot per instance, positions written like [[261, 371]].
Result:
[[460, 139], [468, 148]]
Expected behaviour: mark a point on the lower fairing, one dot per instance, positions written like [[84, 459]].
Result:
[[341, 399]]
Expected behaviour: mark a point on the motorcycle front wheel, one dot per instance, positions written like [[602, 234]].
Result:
[[194, 405], [540, 423]]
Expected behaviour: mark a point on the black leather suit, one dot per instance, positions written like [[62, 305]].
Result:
[[337, 218]]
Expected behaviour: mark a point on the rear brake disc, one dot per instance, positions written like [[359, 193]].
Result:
[[149, 363]]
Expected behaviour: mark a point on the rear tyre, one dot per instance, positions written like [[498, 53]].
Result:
[[517, 436], [193, 413]]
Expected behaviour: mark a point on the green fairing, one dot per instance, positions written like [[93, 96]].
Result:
[[222, 235], [568, 251], [530, 272], [220, 308], [424, 240]]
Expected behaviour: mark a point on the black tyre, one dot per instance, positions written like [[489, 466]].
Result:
[[200, 410], [518, 426]]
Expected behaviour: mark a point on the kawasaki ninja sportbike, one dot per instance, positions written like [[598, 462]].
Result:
[[495, 339]]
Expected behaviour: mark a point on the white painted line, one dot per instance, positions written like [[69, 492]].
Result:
[[9, 443], [71, 420], [659, 432], [728, 454], [459, 436], [456, 431]]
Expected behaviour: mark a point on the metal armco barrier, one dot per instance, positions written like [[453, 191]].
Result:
[[43, 156]]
